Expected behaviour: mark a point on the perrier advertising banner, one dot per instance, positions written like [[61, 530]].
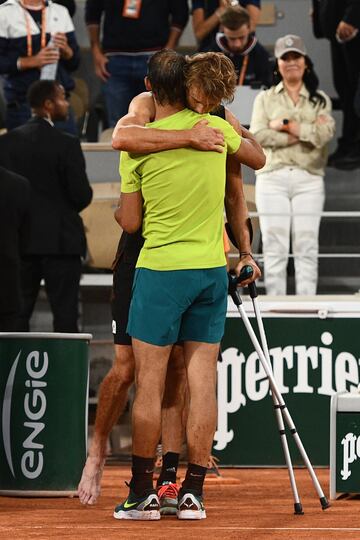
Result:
[[312, 359], [43, 422]]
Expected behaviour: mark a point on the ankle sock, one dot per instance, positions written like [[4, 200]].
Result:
[[194, 479], [142, 475], [169, 468]]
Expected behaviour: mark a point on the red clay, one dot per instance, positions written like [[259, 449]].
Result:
[[247, 504]]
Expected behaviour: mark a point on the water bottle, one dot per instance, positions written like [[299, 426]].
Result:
[[48, 71]]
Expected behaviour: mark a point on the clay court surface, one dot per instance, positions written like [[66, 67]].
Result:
[[243, 504]]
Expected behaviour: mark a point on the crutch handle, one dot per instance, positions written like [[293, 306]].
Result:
[[232, 289], [253, 290], [245, 273]]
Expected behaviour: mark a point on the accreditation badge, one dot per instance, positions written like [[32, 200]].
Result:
[[132, 9]]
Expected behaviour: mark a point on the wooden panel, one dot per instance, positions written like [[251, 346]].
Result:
[[268, 15]]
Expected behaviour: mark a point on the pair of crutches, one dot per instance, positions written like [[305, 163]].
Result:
[[281, 412]]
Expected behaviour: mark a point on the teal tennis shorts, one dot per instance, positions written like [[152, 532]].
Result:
[[178, 305]]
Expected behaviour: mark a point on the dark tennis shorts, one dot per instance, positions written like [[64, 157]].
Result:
[[123, 278], [178, 305]]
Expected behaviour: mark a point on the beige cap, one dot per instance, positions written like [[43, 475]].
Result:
[[289, 43]]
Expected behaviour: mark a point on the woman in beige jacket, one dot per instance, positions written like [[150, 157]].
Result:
[[292, 121]]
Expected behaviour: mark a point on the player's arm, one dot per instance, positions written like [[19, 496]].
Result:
[[131, 135], [250, 152], [129, 212], [238, 216]]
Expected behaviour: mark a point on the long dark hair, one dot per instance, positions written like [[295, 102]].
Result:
[[310, 80]]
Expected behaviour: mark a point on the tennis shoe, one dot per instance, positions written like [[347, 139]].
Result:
[[139, 508], [191, 506], [168, 494]]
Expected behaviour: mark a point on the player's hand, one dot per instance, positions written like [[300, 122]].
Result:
[[248, 261], [100, 61], [204, 137]]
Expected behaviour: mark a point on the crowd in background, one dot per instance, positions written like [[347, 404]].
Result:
[[121, 46], [38, 41]]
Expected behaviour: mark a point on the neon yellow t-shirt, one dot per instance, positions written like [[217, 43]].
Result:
[[183, 192]]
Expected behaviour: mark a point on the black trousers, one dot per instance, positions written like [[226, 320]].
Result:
[[61, 274], [346, 71]]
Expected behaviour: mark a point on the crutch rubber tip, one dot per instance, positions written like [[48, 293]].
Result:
[[324, 503], [298, 509]]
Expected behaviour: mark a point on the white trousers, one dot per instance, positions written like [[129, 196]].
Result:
[[290, 191]]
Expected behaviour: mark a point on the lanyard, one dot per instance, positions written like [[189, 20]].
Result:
[[243, 70], [28, 29]]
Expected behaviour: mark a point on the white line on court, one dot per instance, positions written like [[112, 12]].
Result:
[[177, 527]]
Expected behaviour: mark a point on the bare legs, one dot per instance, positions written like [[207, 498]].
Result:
[[151, 366], [174, 403], [200, 363], [112, 400]]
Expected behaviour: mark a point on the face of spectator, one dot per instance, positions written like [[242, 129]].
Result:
[[199, 102], [237, 39], [292, 66], [60, 105]]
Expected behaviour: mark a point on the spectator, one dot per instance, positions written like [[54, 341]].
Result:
[[69, 4], [25, 31], [132, 31], [339, 22], [206, 18], [292, 120], [14, 203], [54, 164], [250, 58]]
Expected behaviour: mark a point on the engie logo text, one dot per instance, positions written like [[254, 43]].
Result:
[[30, 453]]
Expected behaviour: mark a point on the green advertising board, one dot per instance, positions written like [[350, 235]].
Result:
[[43, 423], [345, 443], [313, 357], [348, 452]]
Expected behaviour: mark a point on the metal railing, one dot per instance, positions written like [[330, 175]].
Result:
[[324, 214]]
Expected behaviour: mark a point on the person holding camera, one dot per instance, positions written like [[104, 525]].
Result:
[[293, 123]]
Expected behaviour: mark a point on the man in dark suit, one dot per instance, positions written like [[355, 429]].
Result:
[[54, 164], [14, 205], [339, 22]]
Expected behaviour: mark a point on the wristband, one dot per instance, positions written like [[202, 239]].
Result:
[[245, 254], [18, 64]]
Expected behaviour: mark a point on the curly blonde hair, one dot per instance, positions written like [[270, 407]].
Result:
[[214, 73]]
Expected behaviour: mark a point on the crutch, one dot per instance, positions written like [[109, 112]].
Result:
[[280, 403], [280, 421]]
